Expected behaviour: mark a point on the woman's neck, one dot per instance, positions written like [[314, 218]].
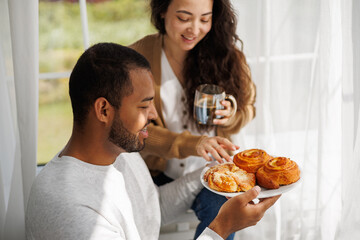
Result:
[[176, 57], [174, 51]]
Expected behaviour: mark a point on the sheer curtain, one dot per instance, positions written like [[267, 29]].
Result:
[[18, 107], [304, 59]]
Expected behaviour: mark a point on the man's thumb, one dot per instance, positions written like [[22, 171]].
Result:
[[252, 193]]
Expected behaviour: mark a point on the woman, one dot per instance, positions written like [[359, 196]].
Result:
[[195, 45]]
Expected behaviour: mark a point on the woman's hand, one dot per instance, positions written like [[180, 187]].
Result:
[[226, 113], [217, 147]]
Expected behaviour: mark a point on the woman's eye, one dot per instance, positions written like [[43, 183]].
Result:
[[183, 19], [205, 20]]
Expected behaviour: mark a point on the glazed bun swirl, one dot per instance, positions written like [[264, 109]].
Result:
[[227, 177], [251, 160], [277, 172]]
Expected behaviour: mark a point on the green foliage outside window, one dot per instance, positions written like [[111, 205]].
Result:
[[61, 44]]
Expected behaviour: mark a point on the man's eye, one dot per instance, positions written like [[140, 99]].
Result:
[[144, 107], [182, 19]]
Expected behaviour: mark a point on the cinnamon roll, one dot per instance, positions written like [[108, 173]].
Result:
[[251, 160], [277, 172]]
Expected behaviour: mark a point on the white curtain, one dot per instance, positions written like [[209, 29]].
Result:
[[18, 111], [304, 58]]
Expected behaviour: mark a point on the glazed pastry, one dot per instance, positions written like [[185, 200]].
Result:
[[227, 177], [277, 172], [251, 160]]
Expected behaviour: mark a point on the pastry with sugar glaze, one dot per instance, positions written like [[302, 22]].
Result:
[[251, 160], [277, 172]]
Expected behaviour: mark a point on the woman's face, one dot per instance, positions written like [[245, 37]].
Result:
[[187, 22]]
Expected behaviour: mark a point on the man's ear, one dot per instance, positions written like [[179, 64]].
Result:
[[103, 110]]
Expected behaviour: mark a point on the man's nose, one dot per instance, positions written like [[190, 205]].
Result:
[[153, 113]]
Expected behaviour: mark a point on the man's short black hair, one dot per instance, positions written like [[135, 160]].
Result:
[[102, 71]]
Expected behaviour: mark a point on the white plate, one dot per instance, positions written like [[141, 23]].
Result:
[[265, 193]]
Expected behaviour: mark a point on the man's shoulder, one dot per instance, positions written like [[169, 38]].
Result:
[[132, 160], [55, 171], [63, 193], [62, 181]]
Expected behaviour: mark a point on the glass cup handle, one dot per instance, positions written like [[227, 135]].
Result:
[[233, 104]]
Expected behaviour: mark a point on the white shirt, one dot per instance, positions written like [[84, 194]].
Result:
[[176, 119], [72, 199]]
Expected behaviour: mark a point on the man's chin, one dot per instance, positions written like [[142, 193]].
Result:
[[139, 147]]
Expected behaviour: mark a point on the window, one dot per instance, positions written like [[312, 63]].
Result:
[[66, 28]]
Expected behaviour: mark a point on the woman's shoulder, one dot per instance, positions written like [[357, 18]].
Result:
[[146, 43]]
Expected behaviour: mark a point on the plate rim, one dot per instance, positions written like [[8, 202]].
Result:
[[264, 193]]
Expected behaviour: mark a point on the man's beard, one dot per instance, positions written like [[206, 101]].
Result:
[[121, 137]]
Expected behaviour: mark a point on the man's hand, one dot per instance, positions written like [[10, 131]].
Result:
[[217, 147], [240, 212]]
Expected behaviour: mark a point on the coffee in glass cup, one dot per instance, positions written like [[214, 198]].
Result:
[[208, 98]]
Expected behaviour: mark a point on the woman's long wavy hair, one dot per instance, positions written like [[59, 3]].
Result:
[[215, 59]]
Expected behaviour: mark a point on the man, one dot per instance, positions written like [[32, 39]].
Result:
[[98, 186]]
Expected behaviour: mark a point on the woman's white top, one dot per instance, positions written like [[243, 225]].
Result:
[[176, 119]]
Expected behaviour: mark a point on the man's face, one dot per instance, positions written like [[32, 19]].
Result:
[[129, 127]]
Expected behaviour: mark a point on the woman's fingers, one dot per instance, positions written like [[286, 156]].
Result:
[[217, 151], [227, 109], [221, 121], [225, 143], [217, 147], [205, 155]]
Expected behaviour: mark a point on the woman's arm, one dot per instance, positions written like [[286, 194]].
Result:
[[166, 144]]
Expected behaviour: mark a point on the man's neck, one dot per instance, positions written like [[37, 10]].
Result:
[[91, 149]]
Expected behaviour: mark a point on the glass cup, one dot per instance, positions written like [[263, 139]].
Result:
[[208, 98]]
